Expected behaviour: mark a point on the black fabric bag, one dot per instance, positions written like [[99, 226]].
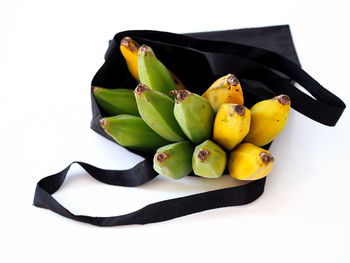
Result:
[[265, 62]]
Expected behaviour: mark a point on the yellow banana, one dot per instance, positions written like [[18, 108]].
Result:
[[226, 89], [268, 119], [231, 125], [249, 162], [129, 49]]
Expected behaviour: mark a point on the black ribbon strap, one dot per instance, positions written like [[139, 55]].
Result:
[[156, 212]]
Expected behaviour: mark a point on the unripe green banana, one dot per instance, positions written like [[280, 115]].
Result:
[[249, 162], [152, 72], [115, 101], [268, 119], [156, 109], [209, 160], [194, 115], [132, 132], [231, 125], [174, 160]]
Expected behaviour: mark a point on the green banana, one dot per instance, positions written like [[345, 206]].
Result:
[[174, 160], [152, 72], [132, 132], [156, 109], [194, 115], [115, 101], [209, 160]]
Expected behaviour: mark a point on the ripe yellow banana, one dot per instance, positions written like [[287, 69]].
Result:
[[226, 89], [268, 119], [129, 49], [249, 162], [231, 125]]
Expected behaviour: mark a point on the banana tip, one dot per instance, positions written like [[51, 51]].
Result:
[[140, 89], [94, 88], [202, 154], [266, 157], [283, 99], [239, 109], [161, 156], [129, 43], [232, 80], [145, 49], [180, 95], [103, 122]]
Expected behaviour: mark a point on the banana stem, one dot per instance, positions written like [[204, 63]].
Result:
[[180, 95], [232, 80], [140, 89], [202, 154], [266, 157], [161, 157]]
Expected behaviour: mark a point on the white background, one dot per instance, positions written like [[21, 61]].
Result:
[[49, 52]]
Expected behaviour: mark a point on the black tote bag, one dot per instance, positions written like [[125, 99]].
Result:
[[265, 62]]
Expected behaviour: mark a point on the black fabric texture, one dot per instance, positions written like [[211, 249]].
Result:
[[265, 61]]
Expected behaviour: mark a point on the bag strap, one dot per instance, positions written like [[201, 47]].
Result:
[[156, 212], [325, 107]]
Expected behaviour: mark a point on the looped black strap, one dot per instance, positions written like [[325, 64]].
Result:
[[222, 56], [156, 212]]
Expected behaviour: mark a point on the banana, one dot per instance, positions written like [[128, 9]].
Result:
[[174, 160], [249, 162], [231, 125], [194, 115], [129, 49], [152, 72], [209, 160], [226, 89], [132, 132], [115, 101], [156, 109], [269, 117]]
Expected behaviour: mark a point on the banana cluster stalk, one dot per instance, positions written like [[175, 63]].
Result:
[[132, 132], [115, 101], [130, 49], [226, 89]]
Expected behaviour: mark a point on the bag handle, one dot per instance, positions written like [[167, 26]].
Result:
[[156, 212], [326, 108]]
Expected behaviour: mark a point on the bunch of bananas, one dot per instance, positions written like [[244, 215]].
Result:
[[190, 132]]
